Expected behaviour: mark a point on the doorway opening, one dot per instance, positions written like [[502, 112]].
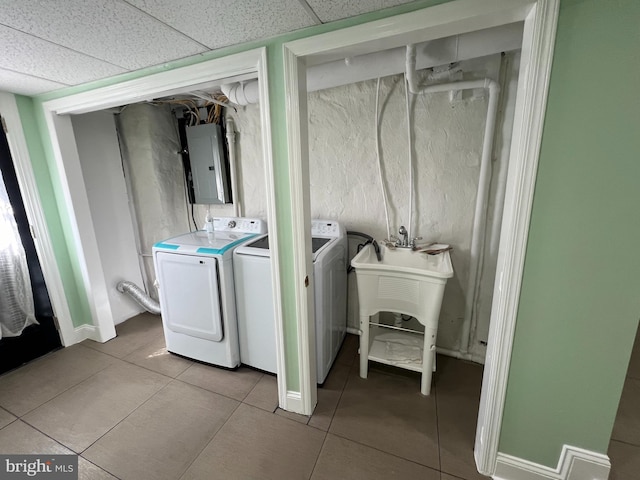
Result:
[[32, 339], [434, 23]]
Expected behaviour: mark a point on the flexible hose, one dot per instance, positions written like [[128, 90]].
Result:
[[385, 199], [369, 239], [139, 295]]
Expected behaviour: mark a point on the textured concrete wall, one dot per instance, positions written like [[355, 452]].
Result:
[[149, 145], [345, 184], [344, 178]]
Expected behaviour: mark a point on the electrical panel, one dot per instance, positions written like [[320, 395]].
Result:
[[205, 146]]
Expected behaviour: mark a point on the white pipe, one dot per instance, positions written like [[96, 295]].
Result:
[[242, 93], [231, 142], [385, 199], [479, 218], [432, 53], [508, 106], [407, 96]]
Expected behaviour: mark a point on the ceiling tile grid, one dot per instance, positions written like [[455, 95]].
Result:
[[228, 22], [27, 54], [25, 84], [111, 30], [331, 10]]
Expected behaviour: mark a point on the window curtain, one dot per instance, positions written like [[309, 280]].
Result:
[[16, 297]]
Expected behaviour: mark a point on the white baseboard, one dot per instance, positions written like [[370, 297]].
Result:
[[84, 332], [293, 402], [574, 464]]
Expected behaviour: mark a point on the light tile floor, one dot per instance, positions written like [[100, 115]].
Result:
[[133, 411], [624, 448]]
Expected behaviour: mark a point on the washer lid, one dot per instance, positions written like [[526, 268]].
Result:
[[260, 247], [203, 243]]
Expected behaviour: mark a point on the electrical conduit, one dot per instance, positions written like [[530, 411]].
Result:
[[231, 142], [479, 218]]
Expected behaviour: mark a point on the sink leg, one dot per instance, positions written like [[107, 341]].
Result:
[[364, 345], [427, 360]]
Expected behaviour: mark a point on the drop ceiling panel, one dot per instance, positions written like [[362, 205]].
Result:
[[39, 58], [113, 31], [330, 10], [24, 84], [228, 22]]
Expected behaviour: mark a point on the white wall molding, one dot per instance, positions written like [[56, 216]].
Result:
[[35, 214], [294, 402], [531, 100], [86, 332], [574, 464], [297, 142], [269, 172]]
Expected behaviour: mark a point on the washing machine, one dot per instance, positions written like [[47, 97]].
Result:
[[254, 298], [196, 289]]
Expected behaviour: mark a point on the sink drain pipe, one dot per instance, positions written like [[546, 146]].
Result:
[[140, 296], [479, 218]]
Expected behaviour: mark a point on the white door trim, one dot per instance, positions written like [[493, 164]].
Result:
[[248, 63], [451, 18], [35, 215], [531, 100]]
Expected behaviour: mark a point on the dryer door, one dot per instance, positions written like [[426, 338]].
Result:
[[189, 295]]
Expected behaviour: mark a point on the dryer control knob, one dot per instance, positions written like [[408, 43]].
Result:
[[232, 224]]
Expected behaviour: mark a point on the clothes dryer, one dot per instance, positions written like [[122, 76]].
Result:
[[197, 299]]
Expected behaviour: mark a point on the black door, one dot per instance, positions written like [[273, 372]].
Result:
[[36, 340]]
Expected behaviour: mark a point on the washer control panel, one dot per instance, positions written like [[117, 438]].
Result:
[[325, 228], [239, 224]]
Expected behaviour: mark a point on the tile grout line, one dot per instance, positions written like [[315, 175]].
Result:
[[344, 387], [435, 398], [97, 466], [625, 442], [209, 441], [124, 418], [387, 453], [369, 446], [50, 437], [57, 395], [315, 464]]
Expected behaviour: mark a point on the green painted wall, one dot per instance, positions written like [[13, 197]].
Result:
[[69, 269], [580, 300]]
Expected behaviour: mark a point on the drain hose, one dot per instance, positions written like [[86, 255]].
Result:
[[139, 295]]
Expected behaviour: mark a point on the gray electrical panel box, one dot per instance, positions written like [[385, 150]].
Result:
[[206, 154]]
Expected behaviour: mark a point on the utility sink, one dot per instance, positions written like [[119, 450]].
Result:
[[403, 261], [405, 282]]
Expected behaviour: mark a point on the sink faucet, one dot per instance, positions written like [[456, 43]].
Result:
[[404, 241]]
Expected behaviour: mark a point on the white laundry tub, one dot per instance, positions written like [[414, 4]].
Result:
[[405, 282]]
